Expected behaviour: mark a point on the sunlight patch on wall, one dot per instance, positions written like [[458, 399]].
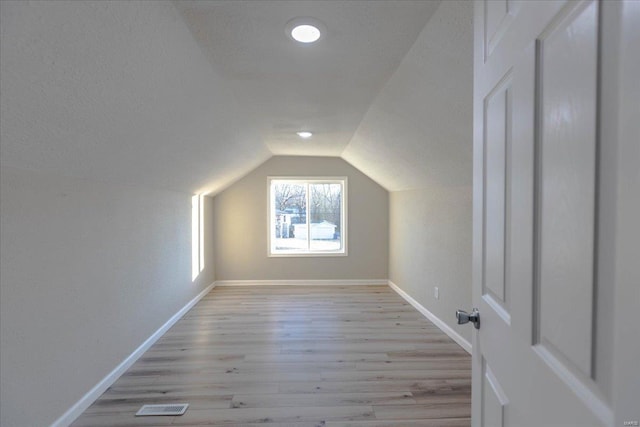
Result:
[[197, 235], [201, 226]]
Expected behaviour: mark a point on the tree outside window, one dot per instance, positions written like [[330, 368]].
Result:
[[307, 216]]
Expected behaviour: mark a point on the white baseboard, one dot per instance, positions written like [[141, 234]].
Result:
[[435, 319], [81, 405], [347, 282]]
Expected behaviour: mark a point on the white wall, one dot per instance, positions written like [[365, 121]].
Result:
[[105, 133], [88, 271], [240, 220], [416, 140]]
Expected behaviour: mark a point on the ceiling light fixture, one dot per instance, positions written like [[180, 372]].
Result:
[[305, 29], [304, 134], [305, 33]]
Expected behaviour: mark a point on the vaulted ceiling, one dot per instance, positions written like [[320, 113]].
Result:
[[192, 95]]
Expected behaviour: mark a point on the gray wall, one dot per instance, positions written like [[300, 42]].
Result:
[[430, 245], [88, 272], [240, 227]]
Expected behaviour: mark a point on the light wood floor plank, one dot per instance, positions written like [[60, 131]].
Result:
[[297, 356], [442, 386], [274, 415], [327, 399]]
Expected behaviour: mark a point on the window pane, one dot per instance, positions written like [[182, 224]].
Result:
[[325, 219], [290, 215]]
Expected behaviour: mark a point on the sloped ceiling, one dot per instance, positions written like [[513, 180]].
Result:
[[418, 131], [192, 95], [117, 92], [286, 86]]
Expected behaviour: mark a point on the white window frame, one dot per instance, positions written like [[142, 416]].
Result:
[[271, 251]]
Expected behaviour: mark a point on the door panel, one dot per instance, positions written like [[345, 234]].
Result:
[[494, 400], [492, 415], [567, 94], [498, 16], [535, 216], [497, 123]]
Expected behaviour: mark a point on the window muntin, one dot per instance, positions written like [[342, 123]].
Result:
[[307, 216]]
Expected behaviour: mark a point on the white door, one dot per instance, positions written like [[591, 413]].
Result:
[[542, 354]]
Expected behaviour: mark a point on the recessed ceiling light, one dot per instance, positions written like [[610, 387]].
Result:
[[305, 29], [304, 134], [305, 33]]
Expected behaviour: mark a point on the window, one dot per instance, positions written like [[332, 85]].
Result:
[[307, 216]]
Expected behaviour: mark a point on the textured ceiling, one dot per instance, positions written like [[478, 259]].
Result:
[[286, 86], [190, 96]]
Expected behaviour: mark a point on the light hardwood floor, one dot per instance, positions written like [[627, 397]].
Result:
[[297, 356]]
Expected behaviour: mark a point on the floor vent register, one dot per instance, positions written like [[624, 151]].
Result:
[[167, 409]]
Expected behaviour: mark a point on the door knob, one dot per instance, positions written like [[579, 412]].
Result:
[[464, 317]]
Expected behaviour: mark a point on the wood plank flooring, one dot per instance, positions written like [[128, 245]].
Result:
[[297, 356]]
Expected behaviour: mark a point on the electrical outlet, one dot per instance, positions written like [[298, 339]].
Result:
[[436, 292]]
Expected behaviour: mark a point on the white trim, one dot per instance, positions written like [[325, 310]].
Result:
[[92, 395], [435, 319], [348, 282]]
